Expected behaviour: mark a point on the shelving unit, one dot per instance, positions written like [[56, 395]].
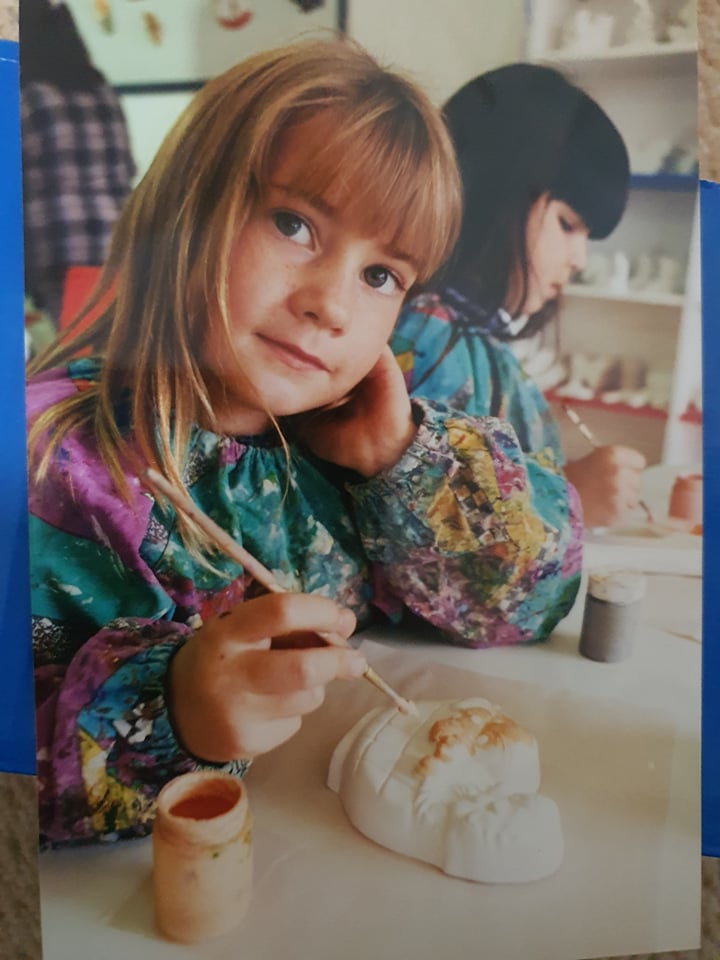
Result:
[[632, 296], [624, 52], [650, 92]]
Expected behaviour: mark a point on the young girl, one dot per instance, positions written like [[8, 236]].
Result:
[[543, 169], [256, 274]]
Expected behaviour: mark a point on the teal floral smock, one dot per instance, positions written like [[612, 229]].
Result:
[[451, 533]]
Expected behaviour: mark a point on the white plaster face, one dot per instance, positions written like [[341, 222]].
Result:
[[455, 786]]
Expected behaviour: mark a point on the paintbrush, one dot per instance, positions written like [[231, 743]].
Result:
[[585, 430], [225, 544]]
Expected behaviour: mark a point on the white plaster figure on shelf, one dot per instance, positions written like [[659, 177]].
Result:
[[667, 277], [586, 32], [650, 157], [618, 281], [596, 272], [590, 374], [642, 271], [455, 786], [633, 398], [658, 384], [642, 30], [636, 398], [574, 390], [681, 26], [682, 159]]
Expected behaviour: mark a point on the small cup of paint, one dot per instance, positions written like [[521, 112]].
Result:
[[202, 856], [612, 611], [686, 498]]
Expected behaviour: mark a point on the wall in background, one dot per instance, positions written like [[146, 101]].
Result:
[[149, 117], [442, 45]]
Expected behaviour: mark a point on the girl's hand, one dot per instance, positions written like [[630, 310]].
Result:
[[372, 429], [608, 481], [241, 685]]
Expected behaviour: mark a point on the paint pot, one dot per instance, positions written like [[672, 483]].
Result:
[[612, 610], [202, 856], [686, 498]]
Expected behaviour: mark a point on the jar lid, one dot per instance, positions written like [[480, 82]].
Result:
[[617, 586]]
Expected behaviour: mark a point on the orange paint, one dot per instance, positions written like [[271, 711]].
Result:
[[202, 807]]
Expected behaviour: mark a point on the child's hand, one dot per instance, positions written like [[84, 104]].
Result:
[[232, 697], [372, 429], [608, 481]]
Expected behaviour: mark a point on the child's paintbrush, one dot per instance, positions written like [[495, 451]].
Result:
[[592, 439], [225, 543]]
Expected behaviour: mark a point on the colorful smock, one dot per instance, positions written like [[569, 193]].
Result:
[[445, 347], [451, 533]]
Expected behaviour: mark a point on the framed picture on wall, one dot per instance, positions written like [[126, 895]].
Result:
[[180, 43]]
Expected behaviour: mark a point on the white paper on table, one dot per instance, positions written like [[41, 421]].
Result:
[[629, 882], [607, 765]]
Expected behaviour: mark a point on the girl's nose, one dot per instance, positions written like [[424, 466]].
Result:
[[322, 294], [579, 253]]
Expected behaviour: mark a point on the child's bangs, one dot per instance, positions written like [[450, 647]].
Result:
[[389, 181]]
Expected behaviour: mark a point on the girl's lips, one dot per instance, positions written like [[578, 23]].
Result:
[[293, 355]]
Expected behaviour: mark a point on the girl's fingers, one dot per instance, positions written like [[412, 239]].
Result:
[[284, 706], [283, 672], [284, 614]]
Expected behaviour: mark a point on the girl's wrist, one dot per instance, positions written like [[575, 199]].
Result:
[[393, 448]]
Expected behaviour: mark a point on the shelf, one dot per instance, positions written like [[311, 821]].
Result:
[[624, 409], [627, 53], [680, 182], [632, 296]]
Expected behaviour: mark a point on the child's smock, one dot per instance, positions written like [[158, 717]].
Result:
[[447, 354], [453, 532]]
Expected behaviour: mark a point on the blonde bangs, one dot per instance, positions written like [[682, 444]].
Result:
[[391, 174]]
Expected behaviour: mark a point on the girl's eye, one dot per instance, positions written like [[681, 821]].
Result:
[[382, 279], [566, 225], [291, 225]]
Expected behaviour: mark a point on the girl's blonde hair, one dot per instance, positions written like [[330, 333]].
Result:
[[167, 269]]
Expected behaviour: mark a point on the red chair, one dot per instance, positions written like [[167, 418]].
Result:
[[79, 284]]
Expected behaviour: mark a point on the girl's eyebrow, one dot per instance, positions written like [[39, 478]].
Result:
[[313, 199], [575, 219], [328, 210]]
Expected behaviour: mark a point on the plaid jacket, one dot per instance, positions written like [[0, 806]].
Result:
[[77, 171]]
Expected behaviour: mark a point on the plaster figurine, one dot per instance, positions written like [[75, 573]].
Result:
[[455, 786]]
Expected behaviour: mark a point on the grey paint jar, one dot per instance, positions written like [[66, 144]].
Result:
[[612, 611]]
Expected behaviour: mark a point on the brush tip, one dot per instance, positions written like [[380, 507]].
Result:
[[407, 707]]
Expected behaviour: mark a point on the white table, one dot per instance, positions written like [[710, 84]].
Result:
[[324, 892]]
